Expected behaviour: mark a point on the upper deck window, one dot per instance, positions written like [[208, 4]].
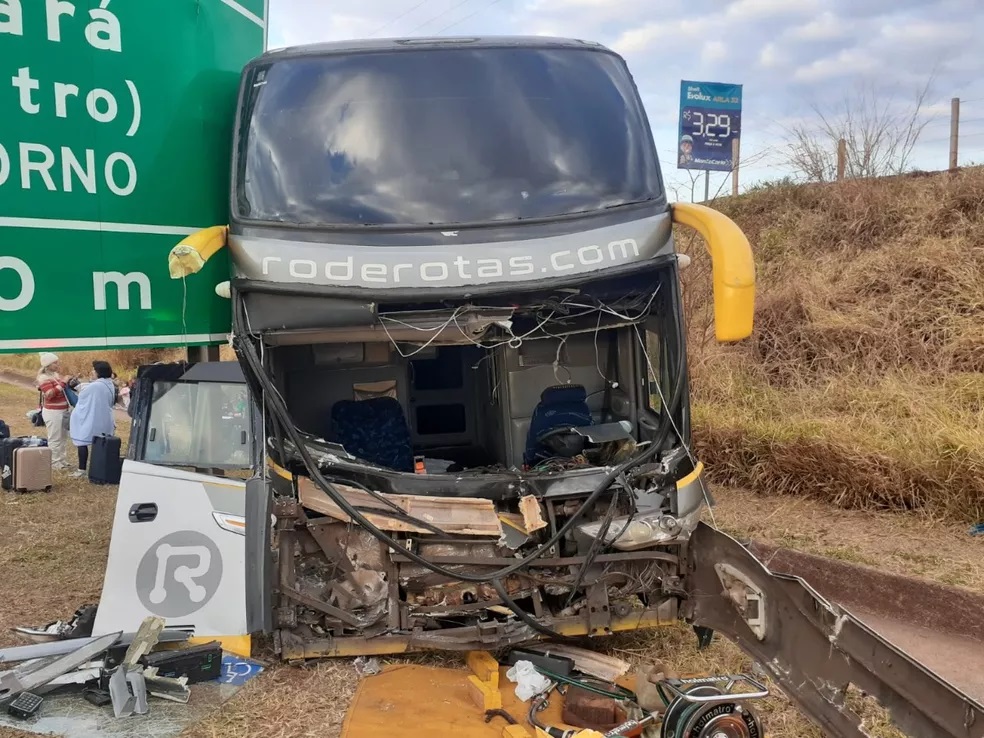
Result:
[[441, 136]]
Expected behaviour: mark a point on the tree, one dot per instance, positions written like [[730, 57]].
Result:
[[879, 134]]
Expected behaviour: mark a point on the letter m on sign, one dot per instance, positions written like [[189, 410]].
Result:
[[123, 283]]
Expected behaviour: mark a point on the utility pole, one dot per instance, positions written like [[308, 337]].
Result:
[[841, 159], [954, 132], [735, 150]]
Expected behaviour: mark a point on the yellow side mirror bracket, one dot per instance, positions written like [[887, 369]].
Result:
[[190, 255], [732, 266]]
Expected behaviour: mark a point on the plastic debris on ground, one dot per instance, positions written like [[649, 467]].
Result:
[[551, 699], [366, 666], [529, 682]]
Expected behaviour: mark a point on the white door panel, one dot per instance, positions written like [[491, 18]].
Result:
[[177, 551]]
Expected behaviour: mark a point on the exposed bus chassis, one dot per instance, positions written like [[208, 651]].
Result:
[[382, 602]]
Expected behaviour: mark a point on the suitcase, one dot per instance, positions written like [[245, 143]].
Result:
[[7, 448], [105, 460], [32, 469]]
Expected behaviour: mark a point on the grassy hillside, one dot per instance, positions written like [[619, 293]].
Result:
[[863, 384]]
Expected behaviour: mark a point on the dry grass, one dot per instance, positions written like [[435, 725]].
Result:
[[123, 361], [862, 384]]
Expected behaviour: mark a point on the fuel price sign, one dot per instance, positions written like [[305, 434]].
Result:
[[710, 121]]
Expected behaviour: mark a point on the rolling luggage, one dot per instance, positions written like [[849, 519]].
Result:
[[32, 469], [7, 448], [105, 460]]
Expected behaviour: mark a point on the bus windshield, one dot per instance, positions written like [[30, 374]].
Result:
[[441, 136]]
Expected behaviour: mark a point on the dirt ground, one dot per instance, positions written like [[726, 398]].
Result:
[[53, 551]]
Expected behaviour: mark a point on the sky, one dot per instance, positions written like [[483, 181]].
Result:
[[792, 57]]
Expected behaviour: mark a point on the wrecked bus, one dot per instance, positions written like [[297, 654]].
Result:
[[458, 322]]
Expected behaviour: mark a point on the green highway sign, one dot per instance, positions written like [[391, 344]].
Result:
[[115, 143]]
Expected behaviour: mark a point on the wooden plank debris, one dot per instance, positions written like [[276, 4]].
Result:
[[466, 516]]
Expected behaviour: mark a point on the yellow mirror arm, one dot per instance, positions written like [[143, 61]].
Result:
[[732, 266], [189, 256]]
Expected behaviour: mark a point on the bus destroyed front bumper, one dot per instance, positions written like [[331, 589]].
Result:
[[340, 591]]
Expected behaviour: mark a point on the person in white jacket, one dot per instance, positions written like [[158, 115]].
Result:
[[94, 415]]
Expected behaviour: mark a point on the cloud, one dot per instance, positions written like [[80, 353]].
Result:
[[824, 27], [845, 63], [713, 51], [918, 33], [770, 56], [642, 38], [765, 8]]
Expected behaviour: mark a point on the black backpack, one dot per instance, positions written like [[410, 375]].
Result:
[[4, 430]]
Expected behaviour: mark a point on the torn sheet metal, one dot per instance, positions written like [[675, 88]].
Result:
[[816, 650], [60, 648], [128, 691], [167, 688], [16, 681]]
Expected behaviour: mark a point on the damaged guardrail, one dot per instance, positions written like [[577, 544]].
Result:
[[823, 657]]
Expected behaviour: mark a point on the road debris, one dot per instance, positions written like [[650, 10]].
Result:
[[424, 700], [366, 666], [113, 684]]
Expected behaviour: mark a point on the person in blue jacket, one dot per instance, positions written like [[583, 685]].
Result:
[[94, 415]]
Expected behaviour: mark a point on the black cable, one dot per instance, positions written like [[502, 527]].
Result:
[[279, 409], [595, 548]]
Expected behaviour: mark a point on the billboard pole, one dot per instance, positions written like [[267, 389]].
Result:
[[707, 185]]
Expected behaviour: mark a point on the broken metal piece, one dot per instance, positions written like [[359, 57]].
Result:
[[128, 692], [620, 430], [167, 688], [80, 626], [746, 596], [60, 648], [86, 673], [813, 645], [16, 681]]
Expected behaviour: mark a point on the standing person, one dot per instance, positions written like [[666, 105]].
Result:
[[54, 409], [94, 414]]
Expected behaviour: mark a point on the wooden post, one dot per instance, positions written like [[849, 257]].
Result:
[[735, 150], [841, 159], [954, 133]]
